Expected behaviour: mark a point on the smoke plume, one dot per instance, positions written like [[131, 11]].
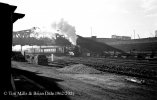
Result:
[[64, 28]]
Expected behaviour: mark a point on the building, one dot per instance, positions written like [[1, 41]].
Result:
[[121, 37], [7, 18]]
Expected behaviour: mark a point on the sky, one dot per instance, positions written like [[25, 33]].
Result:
[[101, 18]]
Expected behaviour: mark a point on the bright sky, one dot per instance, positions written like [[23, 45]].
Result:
[[106, 17]]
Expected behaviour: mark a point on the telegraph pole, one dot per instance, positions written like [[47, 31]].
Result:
[[134, 34], [91, 31]]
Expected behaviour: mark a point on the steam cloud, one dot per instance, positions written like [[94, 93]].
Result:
[[64, 28]]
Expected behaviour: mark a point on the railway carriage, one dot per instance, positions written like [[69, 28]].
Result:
[[42, 55]]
